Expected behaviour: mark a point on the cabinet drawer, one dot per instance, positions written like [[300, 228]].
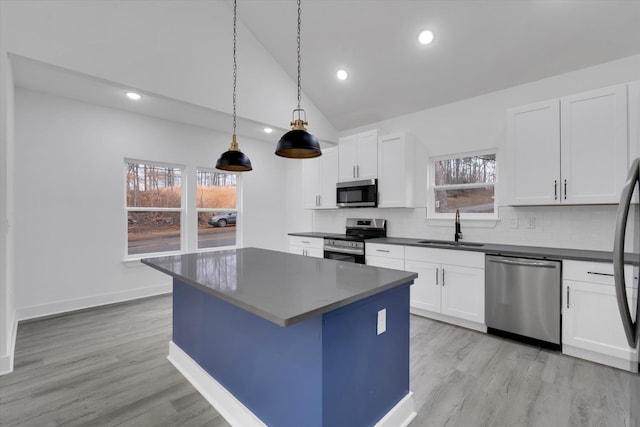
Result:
[[309, 242], [385, 251], [446, 256], [593, 272]]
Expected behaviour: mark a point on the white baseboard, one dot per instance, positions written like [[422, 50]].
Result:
[[239, 415], [480, 327], [6, 362], [35, 311], [603, 359], [400, 415], [219, 397]]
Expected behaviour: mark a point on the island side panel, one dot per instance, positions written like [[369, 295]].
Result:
[[365, 374], [275, 372]]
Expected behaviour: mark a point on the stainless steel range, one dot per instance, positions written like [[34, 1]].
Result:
[[350, 246]]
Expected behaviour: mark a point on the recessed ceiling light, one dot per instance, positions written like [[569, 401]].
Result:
[[133, 96], [426, 37], [268, 130], [342, 74]]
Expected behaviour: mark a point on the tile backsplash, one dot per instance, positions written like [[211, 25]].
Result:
[[575, 227]]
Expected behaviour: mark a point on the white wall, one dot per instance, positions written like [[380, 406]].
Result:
[[71, 226], [480, 123], [8, 323], [179, 49]]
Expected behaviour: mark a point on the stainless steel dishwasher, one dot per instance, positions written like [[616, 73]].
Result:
[[522, 298]]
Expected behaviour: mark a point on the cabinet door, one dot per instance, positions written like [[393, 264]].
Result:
[[311, 170], [594, 145], [426, 289], [384, 262], [394, 189], [533, 144], [463, 292], [591, 320], [347, 158], [328, 178], [315, 252], [634, 120], [367, 166]]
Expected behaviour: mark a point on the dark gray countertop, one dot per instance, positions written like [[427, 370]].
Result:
[[280, 287], [516, 250], [316, 234]]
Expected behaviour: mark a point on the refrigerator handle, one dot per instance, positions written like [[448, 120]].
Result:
[[630, 327]]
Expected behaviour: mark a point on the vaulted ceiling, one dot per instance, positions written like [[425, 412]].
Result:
[[480, 46]]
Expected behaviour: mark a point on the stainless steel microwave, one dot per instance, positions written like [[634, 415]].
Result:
[[357, 194]]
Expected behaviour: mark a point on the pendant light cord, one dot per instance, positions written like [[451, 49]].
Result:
[[235, 65], [298, 40]]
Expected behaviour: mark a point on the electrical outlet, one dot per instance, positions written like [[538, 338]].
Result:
[[531, 222], [382, 321], [514, 222]]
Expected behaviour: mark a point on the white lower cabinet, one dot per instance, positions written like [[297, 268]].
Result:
[[449, 287], [385, 256], [309, 246], [591, 324]]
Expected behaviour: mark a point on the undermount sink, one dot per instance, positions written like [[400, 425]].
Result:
[[448, 243]]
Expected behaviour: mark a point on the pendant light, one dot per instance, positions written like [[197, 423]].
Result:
[[233, 159], [298, 143]]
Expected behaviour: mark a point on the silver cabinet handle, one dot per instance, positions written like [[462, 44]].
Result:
[[630, 326], [568, 294], [353, 171], [305, 241], [565, 189], [382, 250], [555, 189], [437, 282], [595, 273], [442, 276], [320, 200], [357, 171]]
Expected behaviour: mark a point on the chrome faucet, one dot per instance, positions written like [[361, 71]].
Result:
[[458, 234]]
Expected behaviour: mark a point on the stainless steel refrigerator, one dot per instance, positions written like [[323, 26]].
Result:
[[628, 211]]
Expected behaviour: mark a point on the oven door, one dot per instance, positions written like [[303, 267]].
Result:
[[357, 194], [358, 259]]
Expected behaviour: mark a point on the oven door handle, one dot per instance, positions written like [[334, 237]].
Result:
[[344, 250]]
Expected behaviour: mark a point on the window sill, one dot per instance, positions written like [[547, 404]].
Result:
[[468, 223]]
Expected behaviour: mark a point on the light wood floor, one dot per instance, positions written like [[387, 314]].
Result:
[[107, 367]]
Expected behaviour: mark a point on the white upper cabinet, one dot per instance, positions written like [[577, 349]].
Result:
[[401, 172], [594, 145], [358, 158], [571, 150], [319, 177], [533, 135]]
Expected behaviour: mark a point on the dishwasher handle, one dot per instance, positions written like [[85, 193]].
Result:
[[523, 262]]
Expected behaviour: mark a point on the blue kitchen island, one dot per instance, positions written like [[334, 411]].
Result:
[[270, 338]]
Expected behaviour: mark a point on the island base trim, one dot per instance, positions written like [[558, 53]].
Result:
[[400, 415], [236, 414], [219, 397]]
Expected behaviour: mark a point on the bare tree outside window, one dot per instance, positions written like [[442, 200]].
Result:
[[154, 207], [466, 183], [217, 209]]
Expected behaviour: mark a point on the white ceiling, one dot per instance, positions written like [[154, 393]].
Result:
[[481, 46]]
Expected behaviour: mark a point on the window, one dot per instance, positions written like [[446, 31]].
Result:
[[216, 207], [154, 207], [465, 182]]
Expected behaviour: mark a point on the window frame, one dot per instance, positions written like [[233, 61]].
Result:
[[184, 182], [198, 210], [432, 187]]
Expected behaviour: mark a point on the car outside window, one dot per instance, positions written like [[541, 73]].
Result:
[[466, 182], [216, 195]]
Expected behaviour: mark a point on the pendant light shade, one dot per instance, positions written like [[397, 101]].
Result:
[[298, 143], [234, 160]]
